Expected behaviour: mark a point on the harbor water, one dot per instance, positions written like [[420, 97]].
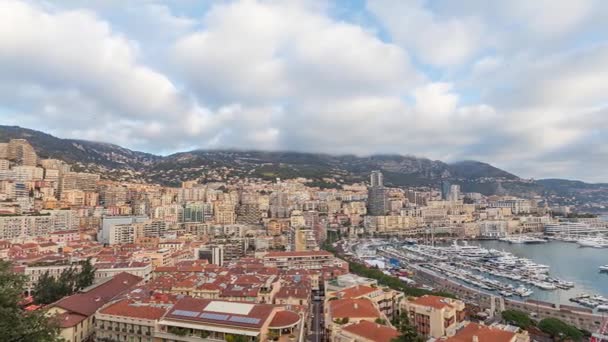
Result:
[[568, 261]]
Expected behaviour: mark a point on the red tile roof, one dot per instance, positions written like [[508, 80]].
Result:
[[127, 308], [436, 302], [355, 291], [372, 331], [352, 308], [86, 303], [483, 334], [69, 319], [284, 319]]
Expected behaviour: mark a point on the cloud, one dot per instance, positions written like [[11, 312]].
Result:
[[519, 84], [440, 41]]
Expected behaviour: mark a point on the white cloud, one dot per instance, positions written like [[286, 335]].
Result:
[[440, 41], [516, 83]]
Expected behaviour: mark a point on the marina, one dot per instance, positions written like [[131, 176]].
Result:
[[552, 271]]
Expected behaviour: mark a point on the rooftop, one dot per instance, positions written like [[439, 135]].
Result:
[[352, 308], [127, 308], [86, 303], [372, 331], [436, 302], [481, 333], [246, 315]]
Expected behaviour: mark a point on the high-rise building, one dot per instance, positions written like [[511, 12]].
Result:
[[454, 192], [376, 178], [78, 181], [445, 190], [377, 195], [20, 151]]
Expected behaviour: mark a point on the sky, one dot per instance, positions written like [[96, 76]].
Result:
[[520, 84]]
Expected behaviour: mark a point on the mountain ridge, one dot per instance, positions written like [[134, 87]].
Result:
[[326, 170]]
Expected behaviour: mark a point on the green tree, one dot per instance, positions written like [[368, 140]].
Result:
[[236, 338], [44, 291], [560, 330], [407, 332], [16, 324], [518, 318], [49, 290], [86, 276]]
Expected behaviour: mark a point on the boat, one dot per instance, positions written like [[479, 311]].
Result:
[[523, 239], [604, 268], [602, 307], [523, 291], [594, 242]]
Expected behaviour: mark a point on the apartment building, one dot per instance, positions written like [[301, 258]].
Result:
[[434, 316]]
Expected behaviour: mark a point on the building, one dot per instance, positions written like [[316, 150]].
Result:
[[106, 270], [76, 313], [493, 229], [434, 316], [301, 260], [365, 331], [21, 152], [128, 320], [386, 300], [474, 332], [573, 228], [446, 186], [78, 181], [454, 193], [376, 179], [217, 320], [118, 229], [340, 312]]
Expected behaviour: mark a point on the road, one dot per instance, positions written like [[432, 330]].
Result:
[[316, 328]]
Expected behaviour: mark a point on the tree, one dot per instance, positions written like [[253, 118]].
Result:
[[16, 324], [407, 332], [381, 321], [518, 318], [560, 330], [49, 290], [44, 291], [236, 338], [86, 276]]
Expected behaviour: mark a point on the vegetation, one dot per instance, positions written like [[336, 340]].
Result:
[[407, 332], [236, 338], [16, 324], [49, 290], [179, 331], [381, 321], [392, 282], [518, 318], [560, 330]]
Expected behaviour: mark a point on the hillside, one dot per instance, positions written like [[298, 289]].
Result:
[[115, 162]]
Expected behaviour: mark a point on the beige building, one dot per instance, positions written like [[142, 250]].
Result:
[[434, 316]]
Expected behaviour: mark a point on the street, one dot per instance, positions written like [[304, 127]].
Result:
[[316, 328]]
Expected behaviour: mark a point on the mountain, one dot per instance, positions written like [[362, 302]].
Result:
[[118, 163]]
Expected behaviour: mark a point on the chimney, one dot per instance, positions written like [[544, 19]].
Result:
[[475, 338]]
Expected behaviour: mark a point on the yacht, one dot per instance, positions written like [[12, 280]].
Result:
[[523, 291], [604, 268], [594, 242], [523, 239]]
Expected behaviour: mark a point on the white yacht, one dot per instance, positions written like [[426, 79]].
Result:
[[594, 242], [523, 291], [604, 268], [523, 239]]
